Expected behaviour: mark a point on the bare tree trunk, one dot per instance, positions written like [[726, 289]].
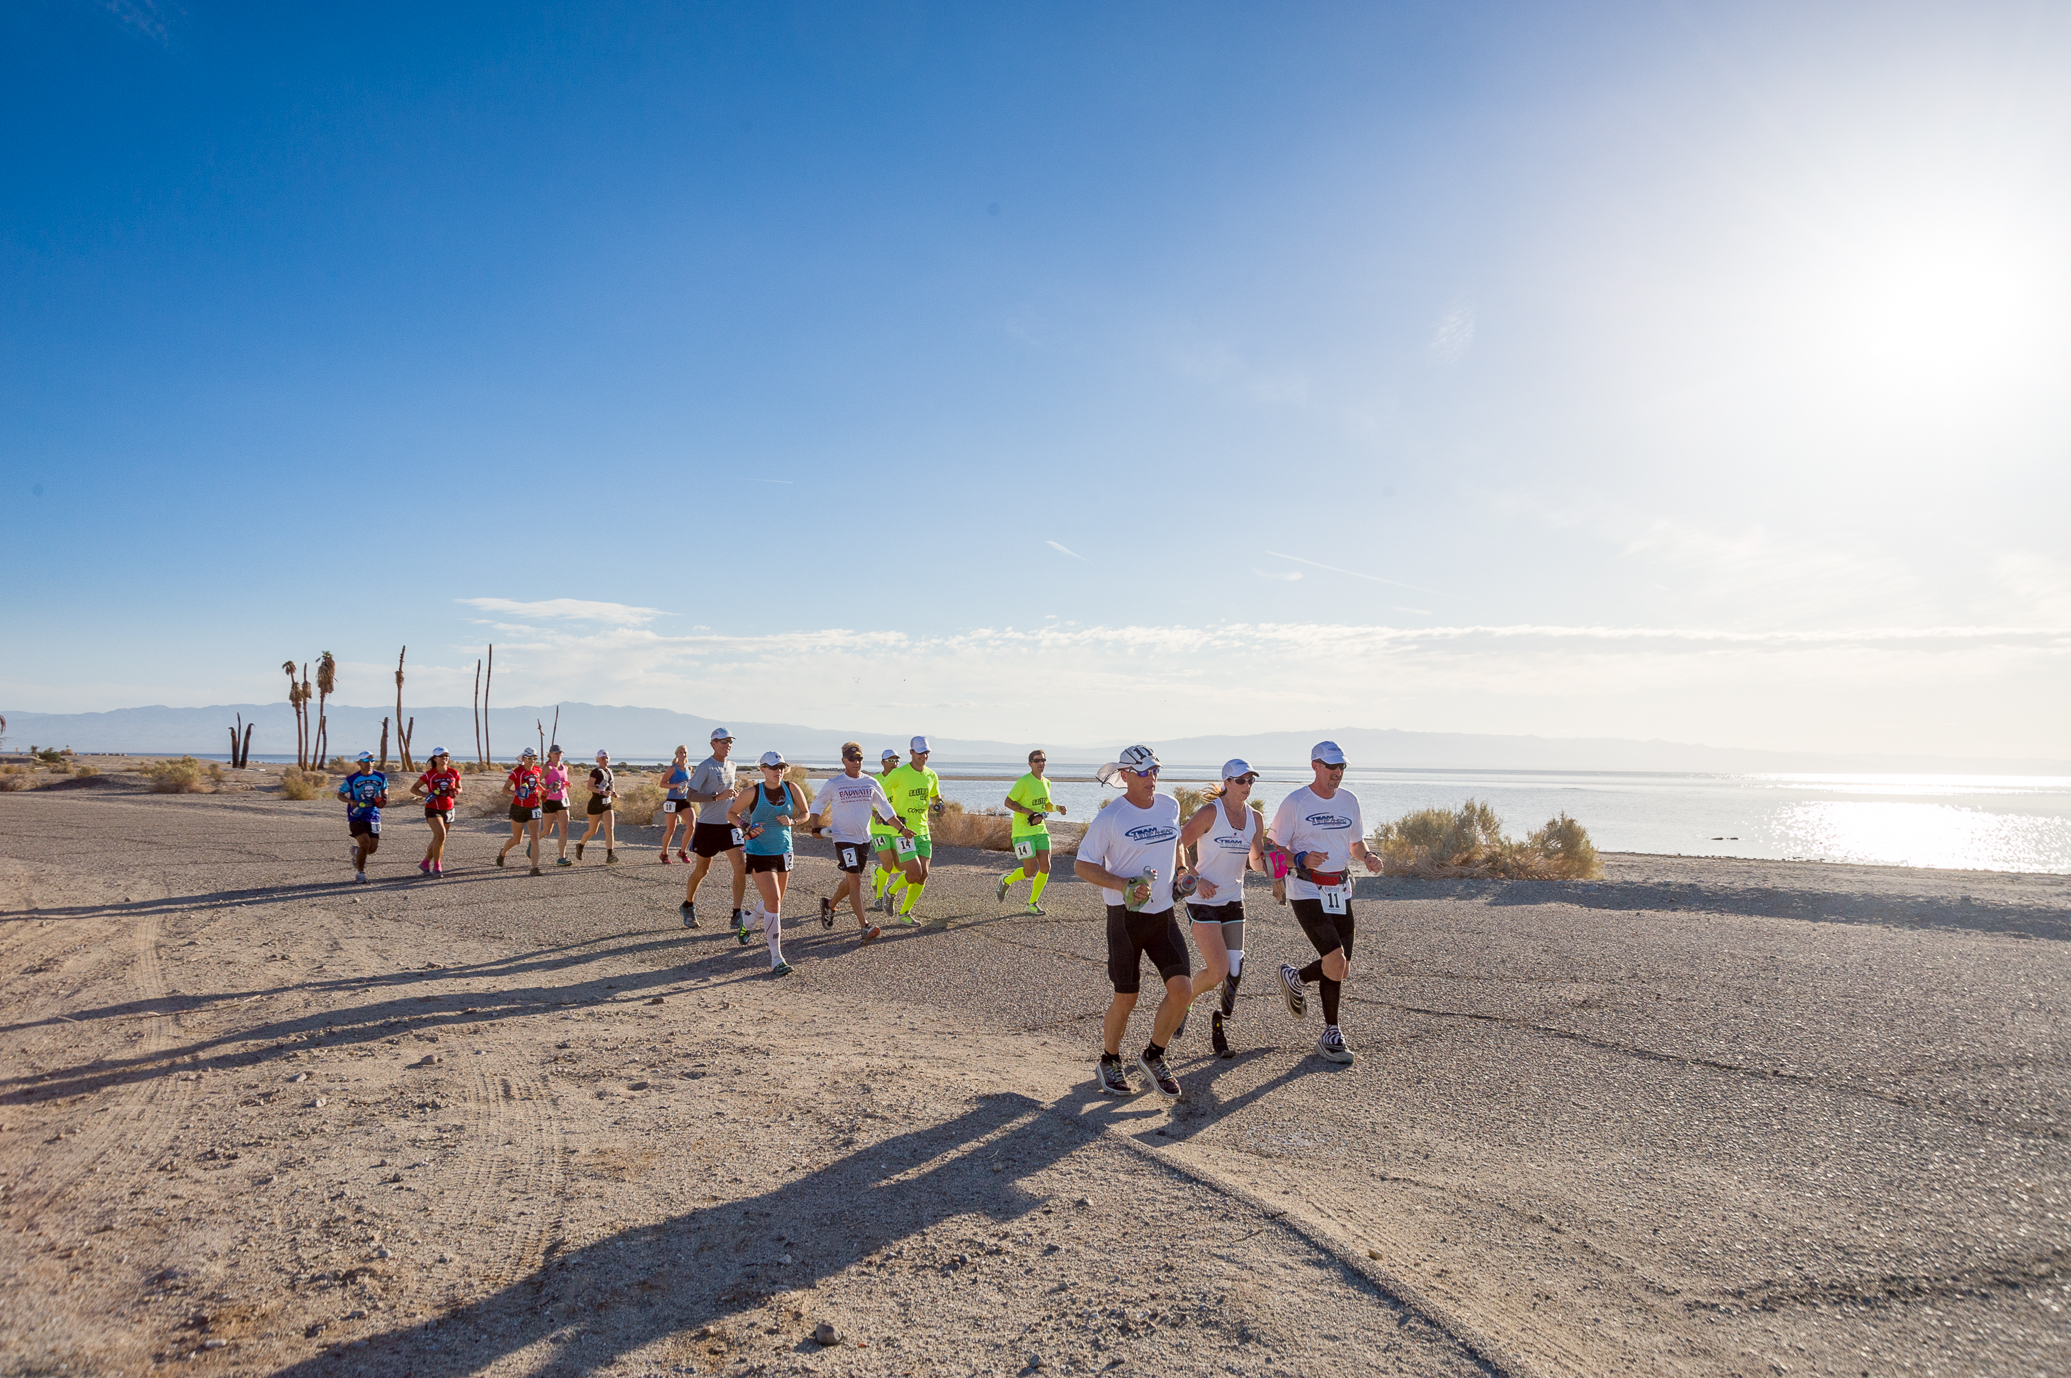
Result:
[[557, 724], [244, 758], [542, 729], [308, 729], [477, 701], [384, 745], [488, 751], [235, 764], [406, 733], [402, 742], [323, 737]]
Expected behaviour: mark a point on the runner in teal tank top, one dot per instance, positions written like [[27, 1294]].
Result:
[[765, 815]]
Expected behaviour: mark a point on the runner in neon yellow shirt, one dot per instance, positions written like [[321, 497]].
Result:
[[1029, 801], [882, 836], [915, 791]]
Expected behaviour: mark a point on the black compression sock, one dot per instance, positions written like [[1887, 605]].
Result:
[[1110, 1057], [1153, 1051], [1312, 972], [1331, 990]]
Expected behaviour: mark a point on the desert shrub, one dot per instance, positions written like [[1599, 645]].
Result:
[[11, 782], [956, 826], [183, 776], [49, 755], [1469, 841], [639, 798], [82, 768], [296, 783]]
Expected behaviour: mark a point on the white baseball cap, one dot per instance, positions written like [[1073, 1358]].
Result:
[[603, 755], [1235, 767], [720, 732], [917, 745], [528, 753], [773, 758], [1134, 758], [1328, 753], [889, 755], [440, 751], [368, 755]]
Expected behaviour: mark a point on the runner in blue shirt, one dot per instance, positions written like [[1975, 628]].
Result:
[[364, 791]]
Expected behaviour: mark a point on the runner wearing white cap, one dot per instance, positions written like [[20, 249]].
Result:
[[526, 787], [364, 791], [850, 803], [884, 838], [1129, 852], [603, 808], [1321, 827], [675, 807], [439, 787], [916, 793], [712, 789], [1030, 802], [764, 816], [1227, 835]]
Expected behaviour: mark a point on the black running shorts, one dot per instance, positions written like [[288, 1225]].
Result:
[[780, 861], [710, 839], [431, 813], [554, 806], [361, 827], [1132, 937], [852, 857], [521, 813], [1328, 932], [598, 803]]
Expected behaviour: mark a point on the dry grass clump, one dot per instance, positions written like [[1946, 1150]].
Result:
[[17, 778], [956, 826], [184, 776], [296, 783], [639, 798], [1443, 843]]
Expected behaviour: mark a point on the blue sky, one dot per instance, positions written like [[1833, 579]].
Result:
[[1683, 371]]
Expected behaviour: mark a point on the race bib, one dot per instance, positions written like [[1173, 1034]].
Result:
[[1335, 898], [906, 847], [787, 862], [737, 838], [1023, 849], [375, 827], [537, 812], [849, 859], [668, 806]]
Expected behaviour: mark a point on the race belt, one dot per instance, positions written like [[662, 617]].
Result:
[[1329, 880]]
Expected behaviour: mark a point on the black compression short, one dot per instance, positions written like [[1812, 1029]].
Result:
[[710, 839], [1328, 932], [851, 857], [598, 803], [1132, 937], [1233, 912], [774, 861]]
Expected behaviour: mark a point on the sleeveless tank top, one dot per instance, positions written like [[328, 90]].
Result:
[[679, 782], [556, 780], [776, 832], [1222, 853]]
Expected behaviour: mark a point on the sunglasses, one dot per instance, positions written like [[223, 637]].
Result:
[[1145, 774], [851, 755], [1339, 766], [722, 741], [1039, 760], [773, 767]]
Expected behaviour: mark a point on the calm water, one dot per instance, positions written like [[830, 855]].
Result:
[[1994, 823]]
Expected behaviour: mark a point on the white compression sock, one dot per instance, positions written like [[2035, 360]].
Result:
[[1236, 961], [773, 929]]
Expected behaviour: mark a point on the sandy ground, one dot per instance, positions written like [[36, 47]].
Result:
[[1701, 1117]]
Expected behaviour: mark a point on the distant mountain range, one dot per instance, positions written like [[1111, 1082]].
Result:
[[652, 733]]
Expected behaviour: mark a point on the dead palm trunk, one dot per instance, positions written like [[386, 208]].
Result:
[[477, 702], [556, 736], [402, 737], [384, 746], [488, 751], [308, 729]]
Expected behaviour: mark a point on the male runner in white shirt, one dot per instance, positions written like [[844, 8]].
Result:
[[847, 803], [1129, 851], [1320, 824]]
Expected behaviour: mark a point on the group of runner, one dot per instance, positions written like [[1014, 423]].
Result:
[[1150, 865]]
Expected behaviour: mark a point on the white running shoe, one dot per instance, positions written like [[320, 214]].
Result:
[[1331, 1046], [1293, 991]]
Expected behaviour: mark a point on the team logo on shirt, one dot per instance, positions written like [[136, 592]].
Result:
[[1234, 842], [1152, 832], [1328, 821]]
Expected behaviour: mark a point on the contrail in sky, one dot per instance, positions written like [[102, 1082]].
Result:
[[1353, 572]]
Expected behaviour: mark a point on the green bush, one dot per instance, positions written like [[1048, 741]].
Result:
[[1469, 841], [184, 776], [296, 783]]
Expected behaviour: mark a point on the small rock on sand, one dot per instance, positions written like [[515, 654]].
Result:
[[825, 1334]]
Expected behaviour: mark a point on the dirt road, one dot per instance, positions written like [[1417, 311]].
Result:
[[1703, 1117]]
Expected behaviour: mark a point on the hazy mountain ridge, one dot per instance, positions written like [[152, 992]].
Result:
[[645, 733]]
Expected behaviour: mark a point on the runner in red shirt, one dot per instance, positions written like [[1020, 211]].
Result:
[[439, 788], [527, 788]]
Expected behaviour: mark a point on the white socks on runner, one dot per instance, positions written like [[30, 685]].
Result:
[[773, 929], [1236, 962]]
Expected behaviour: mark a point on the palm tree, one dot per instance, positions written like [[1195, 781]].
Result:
[[326, 685], [295, 702], [402, 733]]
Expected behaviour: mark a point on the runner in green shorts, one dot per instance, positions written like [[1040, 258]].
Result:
[[1029, 801], [882, 836], [916, 793]]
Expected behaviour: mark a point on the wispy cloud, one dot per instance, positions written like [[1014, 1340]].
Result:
[[141, 16], [1066, 549], [1397, 583], [1288, 574], [569, 609], [1452, 335]]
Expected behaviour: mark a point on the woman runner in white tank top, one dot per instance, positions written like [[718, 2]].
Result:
[[1226, 836]]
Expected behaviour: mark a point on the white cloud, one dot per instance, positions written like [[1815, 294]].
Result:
[[1068, 551], [1288, 574], [1452, 334], [569, 609]]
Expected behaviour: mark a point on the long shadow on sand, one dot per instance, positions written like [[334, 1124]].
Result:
[[595, 1304]]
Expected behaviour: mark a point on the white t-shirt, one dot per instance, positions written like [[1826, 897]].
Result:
[[1126, 841], [1307, 823], [847, 805]]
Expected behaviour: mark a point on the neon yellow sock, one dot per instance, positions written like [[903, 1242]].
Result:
[[1035, 892], [878, 878], [1013, 877], [912, 898], [894, 886]]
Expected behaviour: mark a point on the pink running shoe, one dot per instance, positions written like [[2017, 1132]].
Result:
[[424, 866]]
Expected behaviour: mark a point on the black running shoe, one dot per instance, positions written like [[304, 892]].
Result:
[[1292, 991], [578, 851], [1162, 1080], [690, 913], [826, 912], [1215, 1036], [1114, 1081]]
